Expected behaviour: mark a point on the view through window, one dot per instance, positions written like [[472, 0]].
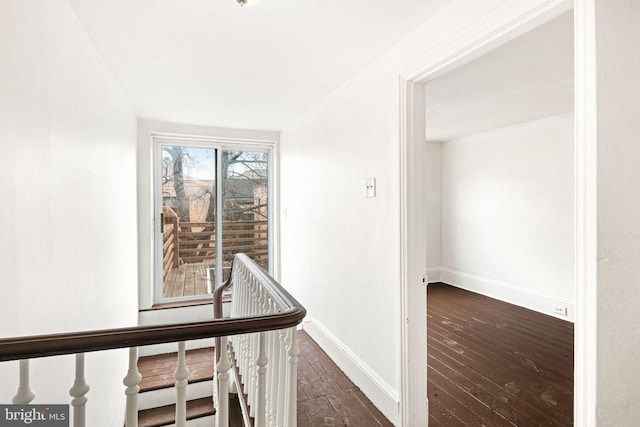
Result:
[[203, 187]]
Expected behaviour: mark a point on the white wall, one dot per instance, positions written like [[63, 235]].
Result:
[[433, 171], [508, 214], [340, 250], [68, 191], [618, 62]]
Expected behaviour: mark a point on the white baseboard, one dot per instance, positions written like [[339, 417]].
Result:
[[434, 274], [523, 297], [381, 394]]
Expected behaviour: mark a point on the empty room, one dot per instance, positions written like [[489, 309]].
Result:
[[500, 235]]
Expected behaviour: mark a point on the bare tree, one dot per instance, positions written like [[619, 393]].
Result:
[[176, 174], [244, 173], [245, 176], [239, 166]]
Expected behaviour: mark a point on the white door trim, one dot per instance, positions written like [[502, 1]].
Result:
[[501, 25], [585, 157], [413, 257], [160, 139]]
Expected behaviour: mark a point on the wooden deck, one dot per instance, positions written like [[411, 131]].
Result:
[[186, 280], [189, 250], [495, 364]]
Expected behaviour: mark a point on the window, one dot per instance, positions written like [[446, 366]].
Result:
[[212, 201]]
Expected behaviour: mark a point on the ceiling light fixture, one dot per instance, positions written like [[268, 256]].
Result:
[[247, 3]]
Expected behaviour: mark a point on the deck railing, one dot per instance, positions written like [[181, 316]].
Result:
[[196, 241], [170, 255], [264, 317]]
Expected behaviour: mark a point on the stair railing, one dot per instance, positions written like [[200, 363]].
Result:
[[285, 317], [263, 363]]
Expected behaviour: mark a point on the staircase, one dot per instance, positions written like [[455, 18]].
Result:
[[157, 393], [261, 327]]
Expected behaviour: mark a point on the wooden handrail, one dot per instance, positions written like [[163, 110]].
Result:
[[273, 288], [30, 347]]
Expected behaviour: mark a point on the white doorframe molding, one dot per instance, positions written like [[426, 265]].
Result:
[[413, 255], [586, 159], [500, 26]]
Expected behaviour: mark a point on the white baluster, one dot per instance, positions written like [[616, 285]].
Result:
[[132, 380], [215, 395], [268, 378], [237, 300], [251, 355], [267, 361], [273, 378], [255, 350], [240, 309], [223, 366], [78, 391], [24, 394], [266, 336], [252, 374], [292, 375], [181, 374], [282, 370], [261, 383], [242, 354]]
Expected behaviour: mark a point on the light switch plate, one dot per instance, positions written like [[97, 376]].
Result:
[[370, 186]]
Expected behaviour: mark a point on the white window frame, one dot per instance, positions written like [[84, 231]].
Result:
[[158, 140]]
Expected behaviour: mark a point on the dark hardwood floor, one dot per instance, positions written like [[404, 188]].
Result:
[[326, 397], [489, 364], [495, 364]]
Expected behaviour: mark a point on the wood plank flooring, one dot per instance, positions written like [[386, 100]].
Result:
[[495, 364], [186, 280], [326, 397]]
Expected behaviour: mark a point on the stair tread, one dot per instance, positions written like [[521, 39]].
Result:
[[157, 371], [165, 415]]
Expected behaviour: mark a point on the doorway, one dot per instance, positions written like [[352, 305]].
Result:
[[500, 134], [212, 201], [496, 30]]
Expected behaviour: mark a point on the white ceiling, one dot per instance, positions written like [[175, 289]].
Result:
[[526, 79], [212, 62]]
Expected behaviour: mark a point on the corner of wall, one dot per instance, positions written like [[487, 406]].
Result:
[[435, 274], [510, 293]]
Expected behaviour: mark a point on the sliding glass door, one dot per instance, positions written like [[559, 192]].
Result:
[[211, 203]]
